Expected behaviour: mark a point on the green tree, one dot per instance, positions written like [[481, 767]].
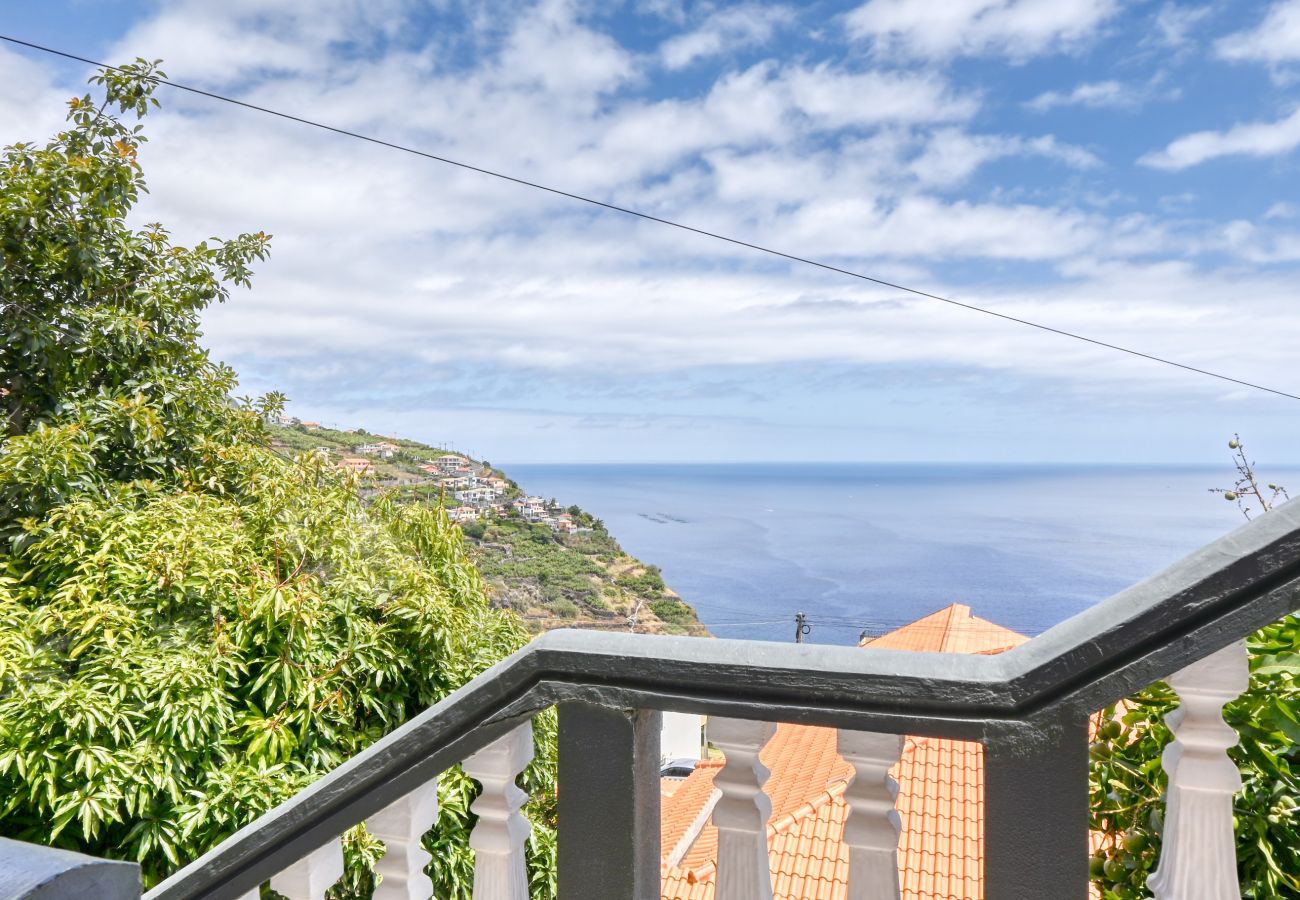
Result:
[[192, 628], [1128, 782]]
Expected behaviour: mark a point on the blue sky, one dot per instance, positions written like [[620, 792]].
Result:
[[1127, 171]]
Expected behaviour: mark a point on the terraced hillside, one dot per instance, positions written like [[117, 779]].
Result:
[[557, 566]]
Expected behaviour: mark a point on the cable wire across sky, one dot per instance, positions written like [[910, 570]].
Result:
[[713, 235]]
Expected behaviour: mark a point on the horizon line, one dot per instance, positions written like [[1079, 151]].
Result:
[[876, 462]]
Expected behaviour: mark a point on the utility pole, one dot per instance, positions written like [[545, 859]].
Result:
[[801, 627]]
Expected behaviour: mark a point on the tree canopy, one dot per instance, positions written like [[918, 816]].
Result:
[[192, 627]]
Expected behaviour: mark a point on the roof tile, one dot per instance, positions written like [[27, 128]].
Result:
[[940, 799]]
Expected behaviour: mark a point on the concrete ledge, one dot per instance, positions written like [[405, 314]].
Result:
[[36, 872]]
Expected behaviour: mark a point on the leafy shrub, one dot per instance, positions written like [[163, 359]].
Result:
[[565, 609], [192, 627], [1128, 782], [648, 583], [673, 611]]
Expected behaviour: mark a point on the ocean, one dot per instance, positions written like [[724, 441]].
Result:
[[867, 547]]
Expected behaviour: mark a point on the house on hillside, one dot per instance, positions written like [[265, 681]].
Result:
[[940, 799], [452, 463], [356, 464], [382, 449], [533, 509], [311, 426]]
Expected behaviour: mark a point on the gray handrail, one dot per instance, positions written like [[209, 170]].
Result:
[[1219, 594]]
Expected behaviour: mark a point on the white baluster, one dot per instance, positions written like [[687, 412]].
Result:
[[742, 811], [499, 837], [310, 877], [1198, 856], [402, 826], [872, 828]]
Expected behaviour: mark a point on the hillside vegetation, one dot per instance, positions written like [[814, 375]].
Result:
[[550, 578], [193, 626]]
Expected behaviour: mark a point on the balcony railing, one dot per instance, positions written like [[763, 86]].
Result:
[[1029, 707]]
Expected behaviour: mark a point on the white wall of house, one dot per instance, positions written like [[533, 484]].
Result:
[[681, 737]]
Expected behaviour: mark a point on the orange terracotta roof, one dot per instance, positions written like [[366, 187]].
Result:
[[940, 800], [950, 630]]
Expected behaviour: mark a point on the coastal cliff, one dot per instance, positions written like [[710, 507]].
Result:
[[555, 565]]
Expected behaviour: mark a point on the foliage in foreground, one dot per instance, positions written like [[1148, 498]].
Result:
[[1128, 782], [192, 627]]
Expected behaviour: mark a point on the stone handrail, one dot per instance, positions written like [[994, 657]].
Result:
[[1029, 707]]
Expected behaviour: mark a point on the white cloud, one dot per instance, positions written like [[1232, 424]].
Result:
[[1264, 245], [1014, 28], [836, 99], [1092, 94], [951, 156], [765, 105], [31, 106], [725, 31], [231, 41], [1246, 139], [1175, 23], [398, 282], [1282, 210], [1276, 39], [922, 227], [1108, 94], [548, 47]]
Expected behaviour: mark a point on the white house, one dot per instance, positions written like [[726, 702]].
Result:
[[474, 495], [451, 463], [462, 514], [382, 449], [681, 736]]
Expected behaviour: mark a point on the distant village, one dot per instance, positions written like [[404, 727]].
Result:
[[478, 491]]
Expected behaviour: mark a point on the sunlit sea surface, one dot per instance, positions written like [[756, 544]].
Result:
[[866, 547]]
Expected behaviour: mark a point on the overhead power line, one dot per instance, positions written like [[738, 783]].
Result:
[[802, 260]]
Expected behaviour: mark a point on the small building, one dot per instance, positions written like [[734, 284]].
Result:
[[311, 426], [452, 463], [356, 464], [382, 449], [533, 509], [681, 737]]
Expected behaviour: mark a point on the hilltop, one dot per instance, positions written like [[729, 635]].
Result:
[[555, 565]]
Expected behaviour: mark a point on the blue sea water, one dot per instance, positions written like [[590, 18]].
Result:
[[871, 546]]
